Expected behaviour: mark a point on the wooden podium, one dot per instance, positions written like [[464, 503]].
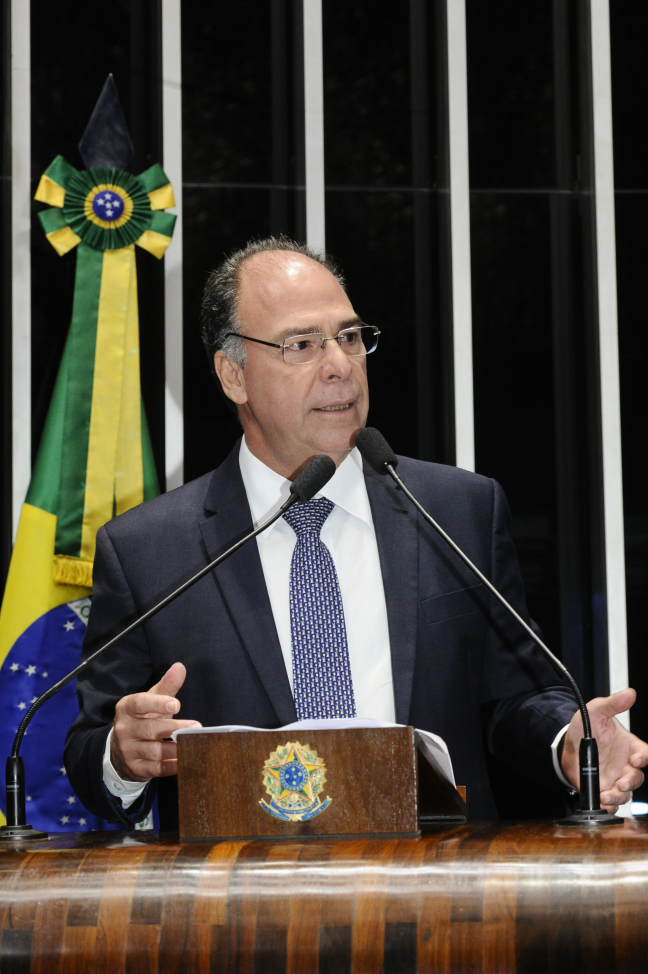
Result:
[[481, 898], [300, 783]]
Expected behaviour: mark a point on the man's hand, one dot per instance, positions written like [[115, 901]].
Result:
[[142, 720], [621, 754]]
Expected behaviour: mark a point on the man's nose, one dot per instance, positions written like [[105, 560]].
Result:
[[334, 361]]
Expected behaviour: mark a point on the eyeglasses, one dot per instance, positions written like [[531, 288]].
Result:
[[303, 349]]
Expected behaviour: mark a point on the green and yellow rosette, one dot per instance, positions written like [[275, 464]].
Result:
[[106, 209], [95, 458]]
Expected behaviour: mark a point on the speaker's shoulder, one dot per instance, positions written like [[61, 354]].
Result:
[[441, 477]]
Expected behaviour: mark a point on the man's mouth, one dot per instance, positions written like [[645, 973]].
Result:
[[331, 409]]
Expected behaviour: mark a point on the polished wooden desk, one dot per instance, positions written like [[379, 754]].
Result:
[[494, 898]]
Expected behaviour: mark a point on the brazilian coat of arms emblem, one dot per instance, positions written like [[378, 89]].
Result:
[[294, 777]]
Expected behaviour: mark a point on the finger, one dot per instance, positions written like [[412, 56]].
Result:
[[153, 752], [629, 782], [639, 756], [168, 752], [171, 681], [140, 704], [612, 799], [626, 778], [621, 791], [152, 759], [616, 703], [609, 803], [153, 730], [611, 809], [157, 769]]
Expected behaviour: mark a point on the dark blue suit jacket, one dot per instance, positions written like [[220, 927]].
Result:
[[461, 667]]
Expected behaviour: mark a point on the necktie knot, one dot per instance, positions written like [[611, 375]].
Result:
[[310, 516]]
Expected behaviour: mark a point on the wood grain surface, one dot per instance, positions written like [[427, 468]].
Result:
[[371, 779], [490, 898]]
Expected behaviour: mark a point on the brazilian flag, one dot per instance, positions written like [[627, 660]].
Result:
[[94, 461]]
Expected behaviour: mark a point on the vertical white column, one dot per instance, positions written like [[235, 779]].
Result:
[[460, 234], [608, 345], [314, 125], [20, 254], [172, 162]]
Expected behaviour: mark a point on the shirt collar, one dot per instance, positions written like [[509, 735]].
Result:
[[267, 491]]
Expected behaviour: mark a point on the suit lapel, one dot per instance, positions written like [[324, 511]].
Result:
[[397, 538], [242, 585]]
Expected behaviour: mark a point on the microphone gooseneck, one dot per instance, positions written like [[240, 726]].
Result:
[[374, 448], [308, 483]]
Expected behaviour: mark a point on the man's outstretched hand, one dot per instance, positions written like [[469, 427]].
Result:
[[621, 754], [138, 750]]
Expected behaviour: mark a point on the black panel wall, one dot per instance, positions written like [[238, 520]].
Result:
[[629, 33], [243, 172], [74, 48], [536, 374], [384, 133]]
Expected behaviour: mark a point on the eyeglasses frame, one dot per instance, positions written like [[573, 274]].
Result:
[[335, 338]]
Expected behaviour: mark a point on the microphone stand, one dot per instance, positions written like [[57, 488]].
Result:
[[590, 812], [17, 828]]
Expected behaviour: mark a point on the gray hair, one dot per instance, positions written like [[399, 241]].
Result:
[[219, 312]]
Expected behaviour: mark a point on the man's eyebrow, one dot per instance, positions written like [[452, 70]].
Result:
[[350, 322], [314, 330]]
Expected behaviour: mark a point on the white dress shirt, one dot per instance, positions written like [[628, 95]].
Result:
[[349, 534]]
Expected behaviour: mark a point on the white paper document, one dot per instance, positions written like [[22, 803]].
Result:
[[432, 747]]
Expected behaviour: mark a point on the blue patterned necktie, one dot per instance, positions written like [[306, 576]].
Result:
[[320, 655]]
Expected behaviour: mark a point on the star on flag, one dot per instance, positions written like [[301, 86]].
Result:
[[69, 626], [30, 670]]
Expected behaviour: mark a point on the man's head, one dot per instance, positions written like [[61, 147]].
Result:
[[273, 290]]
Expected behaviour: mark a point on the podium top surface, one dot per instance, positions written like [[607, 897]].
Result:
[[505, 842], [497, 896]]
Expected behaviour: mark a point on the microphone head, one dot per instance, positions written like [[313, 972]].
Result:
[[375, 449], [313, 477]]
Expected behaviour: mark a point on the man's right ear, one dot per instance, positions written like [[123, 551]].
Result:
[[231, 377]]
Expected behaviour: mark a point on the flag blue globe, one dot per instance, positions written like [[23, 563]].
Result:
[[44, 653]]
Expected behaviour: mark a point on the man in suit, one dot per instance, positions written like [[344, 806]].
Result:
[[349, 606]]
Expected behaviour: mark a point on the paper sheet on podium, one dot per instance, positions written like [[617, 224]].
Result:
[[432, 747]]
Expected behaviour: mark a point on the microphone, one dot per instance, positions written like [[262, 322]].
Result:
[[304, 487], [375, 449], [309, 482]]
